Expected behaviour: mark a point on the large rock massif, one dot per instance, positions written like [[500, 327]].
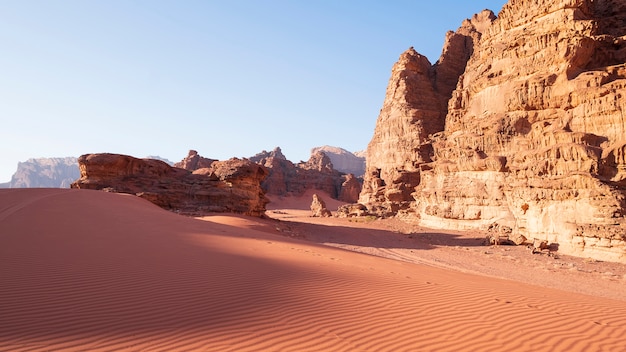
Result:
[[413, 110], [44, 172], [343, 160], [289, 179], [520, 123], [224, 186]]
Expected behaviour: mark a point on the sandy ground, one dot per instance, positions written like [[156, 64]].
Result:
[[93, 271], [463, 251]]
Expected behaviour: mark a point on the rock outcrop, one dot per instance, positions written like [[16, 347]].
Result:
[[343, 160], [350, 189], [414, 109], [318, 208], [534, 135], [226, 186], [286, 178], [45, 172], [193, 162]]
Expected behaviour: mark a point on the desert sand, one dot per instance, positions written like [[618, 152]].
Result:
[[86, 270]]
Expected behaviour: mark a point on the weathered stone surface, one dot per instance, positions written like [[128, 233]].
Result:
[[44, 172], [534, 135], [286, 178], [226, 186], [413, 110], [193, 161], [343, 160], [350, 189], [352, 210], [318, 208]]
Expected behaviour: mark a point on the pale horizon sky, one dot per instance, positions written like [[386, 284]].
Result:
[[226, 78]]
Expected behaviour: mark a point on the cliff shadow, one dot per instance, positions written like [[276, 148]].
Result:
[[361, 235]]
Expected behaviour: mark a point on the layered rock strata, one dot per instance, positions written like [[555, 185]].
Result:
[[534, 136], [226, 186], [286, 178], [350, 189], [193, 161], [414, 109]]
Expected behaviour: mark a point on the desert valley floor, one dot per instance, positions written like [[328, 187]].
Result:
[[94, 271]]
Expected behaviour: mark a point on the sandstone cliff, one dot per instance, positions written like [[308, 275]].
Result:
[[286, 178], [534, 135], [413, 110], [226, 186], [193, 161]]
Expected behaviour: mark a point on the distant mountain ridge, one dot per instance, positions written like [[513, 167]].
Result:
[[58, 172], [44, 173], [343, 160]]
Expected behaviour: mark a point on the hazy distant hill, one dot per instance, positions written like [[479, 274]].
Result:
[[156, 157], [49, 173], [343, 160], [45, 172]]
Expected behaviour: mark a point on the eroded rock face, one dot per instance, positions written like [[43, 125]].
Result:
[[350, 189], [226, 186], [343, 160], [44, 172], [286, 178], [534, 135], [193, 161], [413, 110]]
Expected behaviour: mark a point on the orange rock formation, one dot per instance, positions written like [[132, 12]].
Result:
[[534, 135], [226, 186]]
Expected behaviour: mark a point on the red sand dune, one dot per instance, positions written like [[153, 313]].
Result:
[[94, 271]]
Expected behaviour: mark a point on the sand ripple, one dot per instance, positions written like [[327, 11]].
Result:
[[92, 271]]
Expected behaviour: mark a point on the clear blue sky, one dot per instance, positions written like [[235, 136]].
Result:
[[227, 78]]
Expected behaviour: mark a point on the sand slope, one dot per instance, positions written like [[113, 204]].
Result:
[[87, 270]]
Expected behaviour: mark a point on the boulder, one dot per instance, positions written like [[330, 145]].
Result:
[[318, 208]]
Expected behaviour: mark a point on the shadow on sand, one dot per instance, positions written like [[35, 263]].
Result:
[[363, 236]]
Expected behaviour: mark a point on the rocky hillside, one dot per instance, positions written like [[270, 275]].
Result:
[[286, 178], [225, 186], [44, 173], [531, 137], [343, 160], [414, 109]]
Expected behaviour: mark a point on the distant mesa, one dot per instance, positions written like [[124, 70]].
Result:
[[50, 172], [343, 160], [44, 173], [156, 157]]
